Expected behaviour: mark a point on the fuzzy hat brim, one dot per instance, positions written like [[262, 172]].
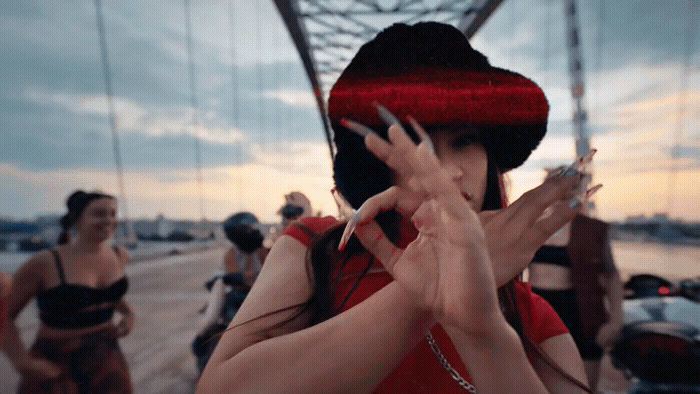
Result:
[[430, 72], [438, 96]]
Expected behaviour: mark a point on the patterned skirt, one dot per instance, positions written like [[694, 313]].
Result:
[[92, 363]]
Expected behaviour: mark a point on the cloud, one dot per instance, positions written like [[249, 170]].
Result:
[[679, 151], [307, 157], [258, 185], [133, 118], [268, 137], [297, 98]]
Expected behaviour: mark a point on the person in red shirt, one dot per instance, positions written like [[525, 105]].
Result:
[[416, 292]]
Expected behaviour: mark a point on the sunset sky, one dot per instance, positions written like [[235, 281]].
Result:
[[642, 63]]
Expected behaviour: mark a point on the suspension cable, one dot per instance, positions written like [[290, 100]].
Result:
[[682, 98], [195, 110], [597, 60], [547, 45], [128, 230], [235, 110], [261, 98]]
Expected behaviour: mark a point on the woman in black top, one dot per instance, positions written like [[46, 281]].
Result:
[[575, 272], [78, 286]]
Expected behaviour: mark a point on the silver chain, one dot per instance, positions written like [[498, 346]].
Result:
[[446, 364]]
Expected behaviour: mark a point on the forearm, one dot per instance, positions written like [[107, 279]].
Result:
[[614, 293], [14, 347], [496, 360], [351, 352]]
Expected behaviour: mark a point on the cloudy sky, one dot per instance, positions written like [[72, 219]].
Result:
[[260, 131]]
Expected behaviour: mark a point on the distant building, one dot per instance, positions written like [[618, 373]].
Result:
[[164, 226], [636, 219], [144, 227], [659, 218]]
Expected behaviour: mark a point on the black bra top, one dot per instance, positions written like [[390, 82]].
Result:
[[549, 254], [62, 306]]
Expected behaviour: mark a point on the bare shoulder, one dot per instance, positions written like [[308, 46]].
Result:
[[272, 305], [230, 261], [283, 280], [30, 278], [123, 254], [37, 265]]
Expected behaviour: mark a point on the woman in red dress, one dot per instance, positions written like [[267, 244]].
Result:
[[416, 292]]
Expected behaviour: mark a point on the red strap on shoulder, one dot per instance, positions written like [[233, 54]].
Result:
[[304, 230]]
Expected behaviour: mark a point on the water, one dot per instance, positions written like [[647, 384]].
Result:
[[671, 261], [10, 261]]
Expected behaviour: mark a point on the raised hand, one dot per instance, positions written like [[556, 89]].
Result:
[[515, 233], [447, 267]]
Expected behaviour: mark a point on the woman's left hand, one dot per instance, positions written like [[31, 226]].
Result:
[[516, 232], [126, 324]]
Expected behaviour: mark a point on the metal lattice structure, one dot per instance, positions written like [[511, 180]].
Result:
[[327, 33]]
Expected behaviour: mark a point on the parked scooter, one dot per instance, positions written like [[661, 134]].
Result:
[[659, 345], [227, 292]]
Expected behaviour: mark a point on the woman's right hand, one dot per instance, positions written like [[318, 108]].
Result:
[[447, 267], [38, 369]]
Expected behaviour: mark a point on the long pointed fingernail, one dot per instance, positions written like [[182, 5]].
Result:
[[585, 159], [357, 127], [345, 210], [593, 190], [579, 164], [385, 114], [349, 229], [424, 137]]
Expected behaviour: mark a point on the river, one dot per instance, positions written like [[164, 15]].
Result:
[[672, 261], [10, 261]]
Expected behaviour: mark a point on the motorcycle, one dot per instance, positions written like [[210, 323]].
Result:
[[658, 348], [227, 292]]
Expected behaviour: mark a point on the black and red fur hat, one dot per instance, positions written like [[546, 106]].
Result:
[[430, 71]]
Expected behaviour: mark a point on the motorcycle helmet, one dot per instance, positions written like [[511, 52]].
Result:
[[242, 229]]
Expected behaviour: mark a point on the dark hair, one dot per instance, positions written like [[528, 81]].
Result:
[[240, 229], [246, 238], [76, 204], [409, 55], [291, 211]]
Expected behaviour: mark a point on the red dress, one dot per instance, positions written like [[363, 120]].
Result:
[[420, 371]]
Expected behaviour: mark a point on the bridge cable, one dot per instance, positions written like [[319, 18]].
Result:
[[128, 231], [597, 61], [235, 107], [195, 110], [547, 46], [261, 99], [678, 135]]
